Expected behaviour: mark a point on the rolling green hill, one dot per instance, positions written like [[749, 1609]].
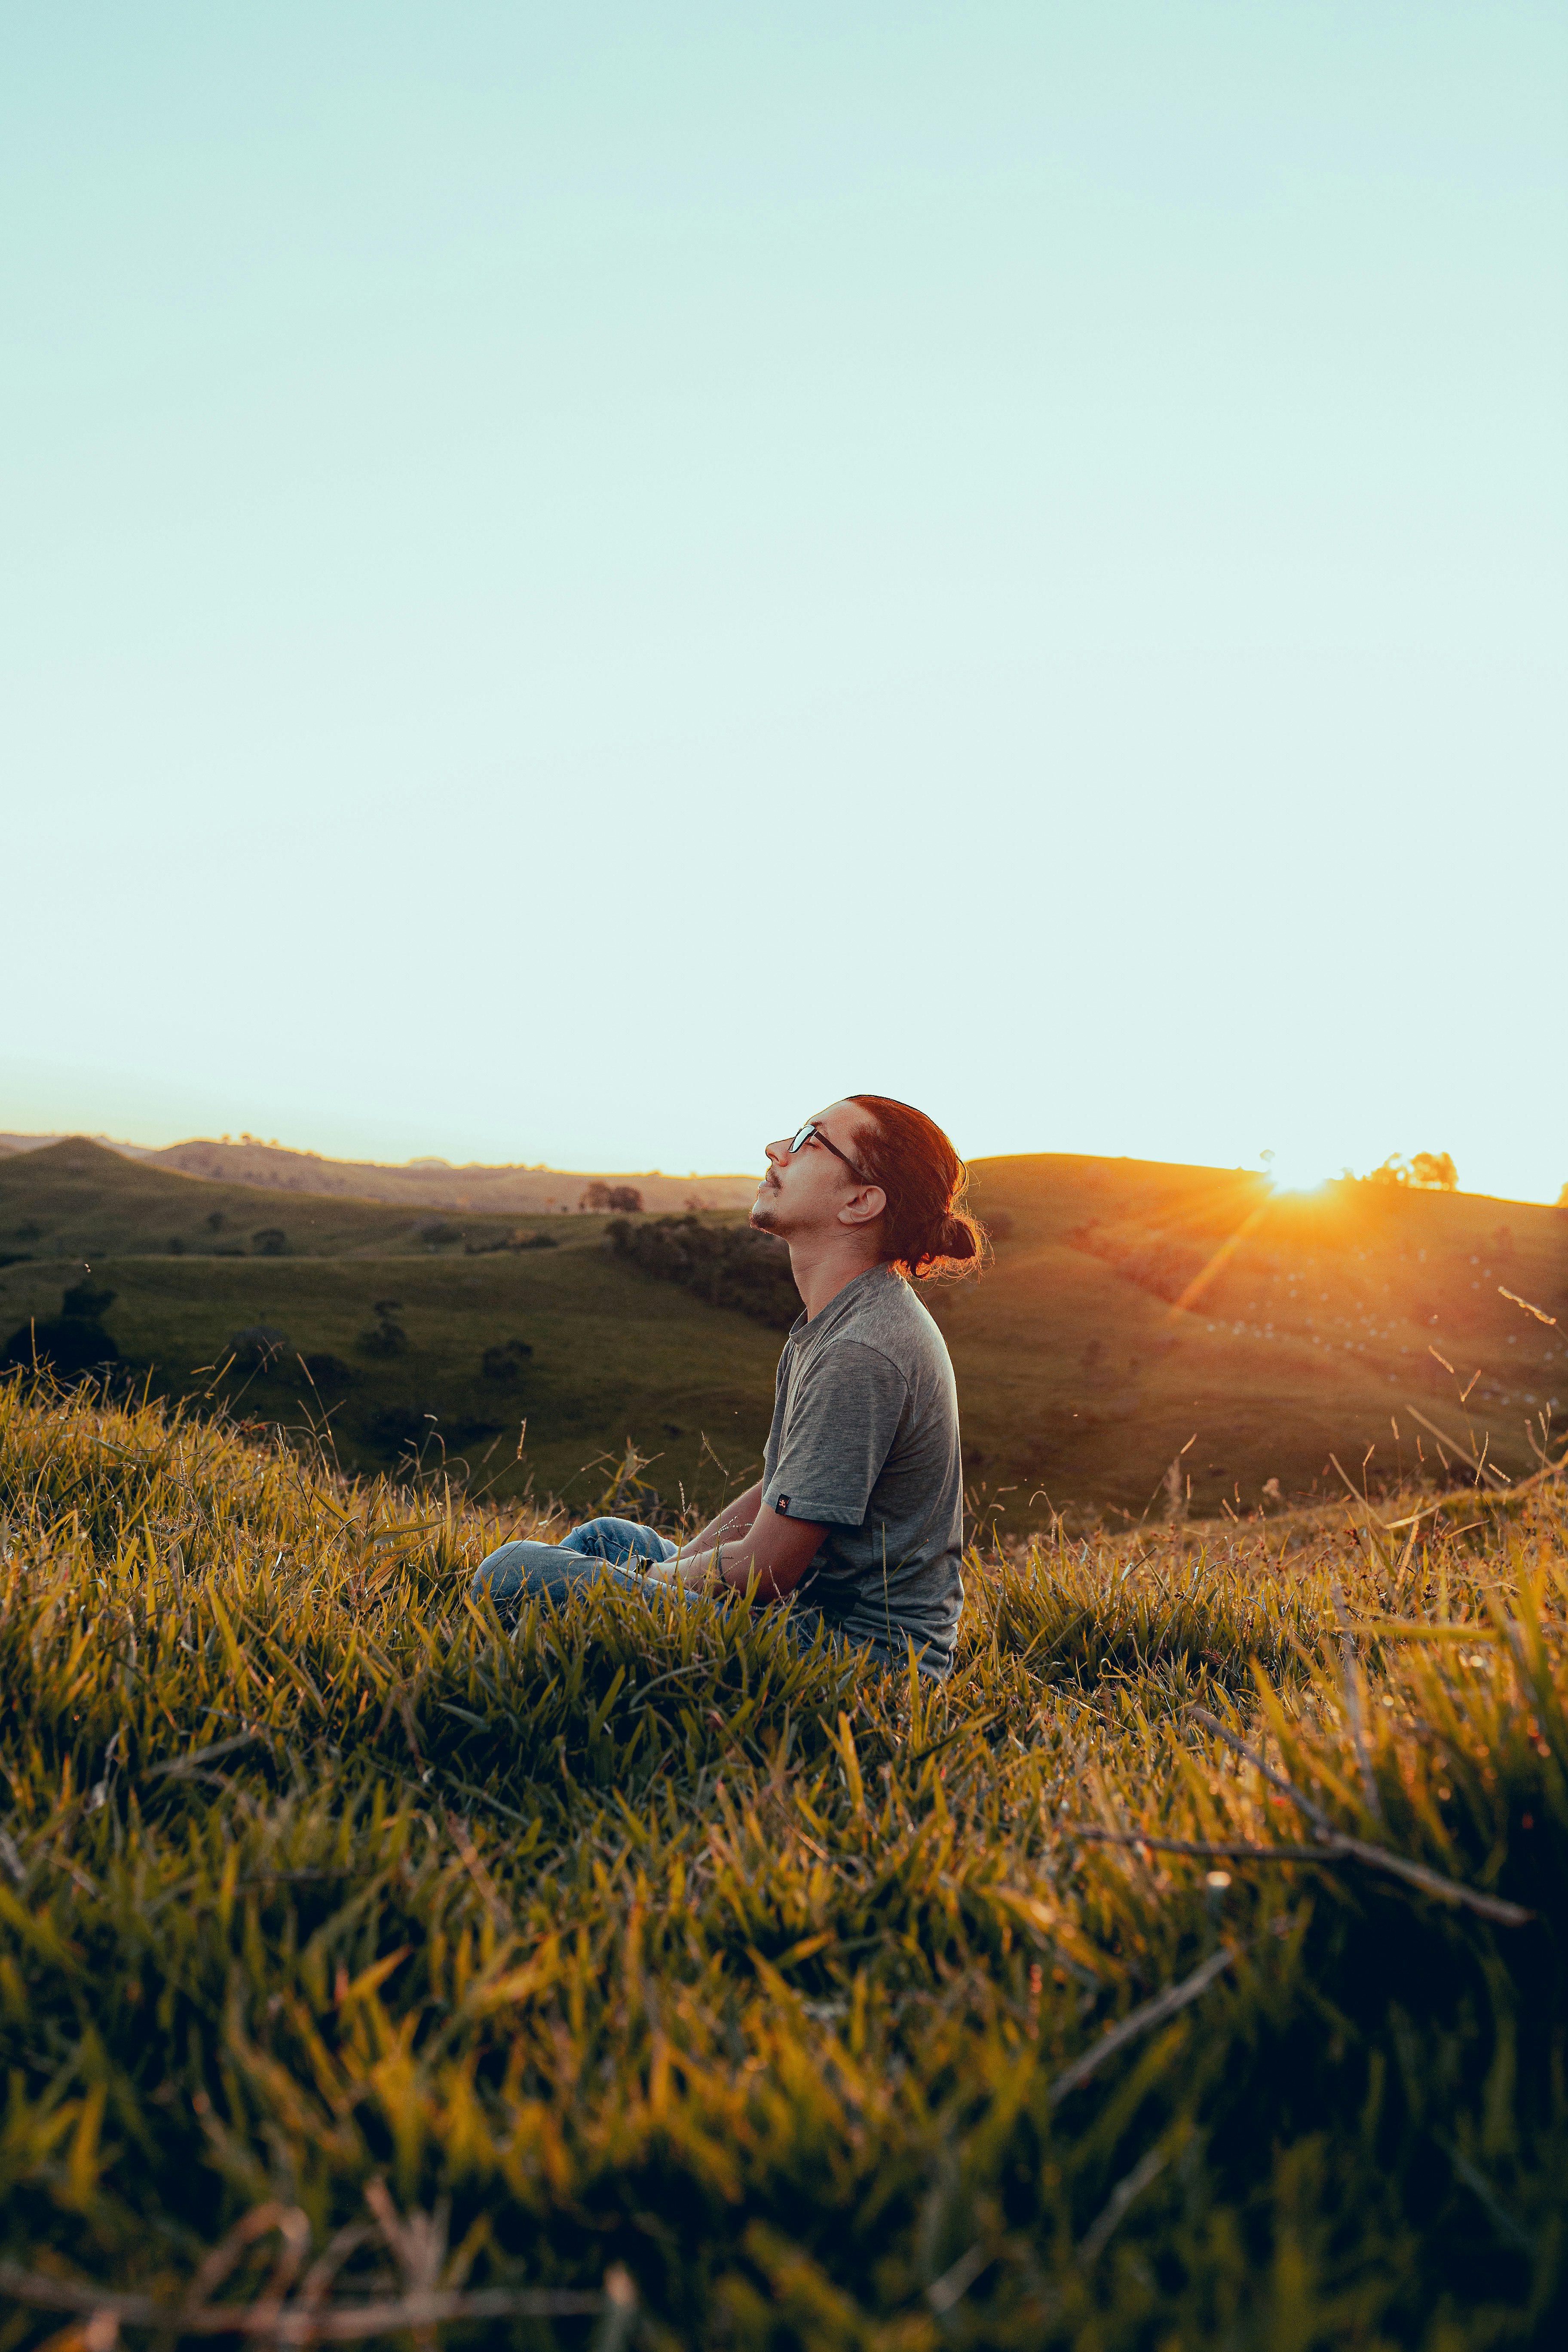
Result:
[[79, 1200], [612, 1356], [1310, 1330], [1320, 1324]]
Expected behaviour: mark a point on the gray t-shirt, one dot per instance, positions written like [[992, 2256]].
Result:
[[864, 1440]]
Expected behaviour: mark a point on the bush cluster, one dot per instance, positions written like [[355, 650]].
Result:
[[386, 1336], [600, 1197], [519, 1238], [72, 1344], [730, 1265]]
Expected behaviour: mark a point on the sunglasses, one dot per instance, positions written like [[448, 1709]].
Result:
[[812, 1133]]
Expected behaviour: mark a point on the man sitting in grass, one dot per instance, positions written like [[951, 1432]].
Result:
[[858, 1513]]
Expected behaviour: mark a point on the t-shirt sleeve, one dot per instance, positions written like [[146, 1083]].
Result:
[[842, 1420]]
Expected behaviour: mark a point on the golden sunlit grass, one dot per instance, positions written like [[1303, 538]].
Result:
[[1186, 1972]]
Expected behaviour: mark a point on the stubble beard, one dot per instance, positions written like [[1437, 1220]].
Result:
[[764, 1217]]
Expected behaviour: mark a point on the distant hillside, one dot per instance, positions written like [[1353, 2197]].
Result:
[[78, 1199], [1316, 1325], [420, 1183], [1311, 1326], [408, 1328]]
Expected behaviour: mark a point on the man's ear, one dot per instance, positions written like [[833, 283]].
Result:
[[864, 1207]]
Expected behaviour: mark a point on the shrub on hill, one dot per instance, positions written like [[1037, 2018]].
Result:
[[72, 1344], [505, 1363], [89, 1301], [396, 1427], [519, 1238], [72, 1347], [257, 1347], [386, 1336], [729, 1265]]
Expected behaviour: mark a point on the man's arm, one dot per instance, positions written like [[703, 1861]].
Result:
[[777, 1550], [734, 1522]]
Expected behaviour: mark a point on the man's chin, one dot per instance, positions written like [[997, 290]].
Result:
[[761, 1215]]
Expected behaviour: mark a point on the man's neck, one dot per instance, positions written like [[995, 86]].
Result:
[[821, 1270]]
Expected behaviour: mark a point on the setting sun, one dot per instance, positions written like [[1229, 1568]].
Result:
[[1294, 1170]]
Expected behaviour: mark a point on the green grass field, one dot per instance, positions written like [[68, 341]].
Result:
[[1187, 1972], [615, 1356], [1314, 1333]]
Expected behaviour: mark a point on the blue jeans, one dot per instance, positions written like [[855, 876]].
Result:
[[610, 1549], [600, 1547]]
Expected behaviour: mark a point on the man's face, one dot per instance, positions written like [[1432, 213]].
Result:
[[811, 1189]]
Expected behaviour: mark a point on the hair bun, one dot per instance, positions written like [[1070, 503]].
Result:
[[926, 1231]]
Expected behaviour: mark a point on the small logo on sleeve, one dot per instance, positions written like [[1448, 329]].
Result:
[[781, 1505]]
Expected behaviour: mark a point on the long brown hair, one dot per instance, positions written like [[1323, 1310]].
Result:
[[926, 1230]]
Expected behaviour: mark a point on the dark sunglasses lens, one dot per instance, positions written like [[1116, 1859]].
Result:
[[803, 1135]]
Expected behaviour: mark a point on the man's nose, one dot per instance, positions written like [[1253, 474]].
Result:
[[777, 1150]]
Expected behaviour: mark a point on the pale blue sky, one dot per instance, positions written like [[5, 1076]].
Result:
[[576, 582]]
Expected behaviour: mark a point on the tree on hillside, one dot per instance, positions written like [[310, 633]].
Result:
[[505, 1363], [727, 1264], [258, 1344], [387, 1338], [1424, 1171], [72, 1342], [89, 1302], [1434, 1171], [600, 1197]]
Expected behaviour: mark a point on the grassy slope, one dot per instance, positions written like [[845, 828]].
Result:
[[615, 1355], [79, 1200], [1076, 1383], [472, 1190], [635, 1938], [1076, 1379]]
